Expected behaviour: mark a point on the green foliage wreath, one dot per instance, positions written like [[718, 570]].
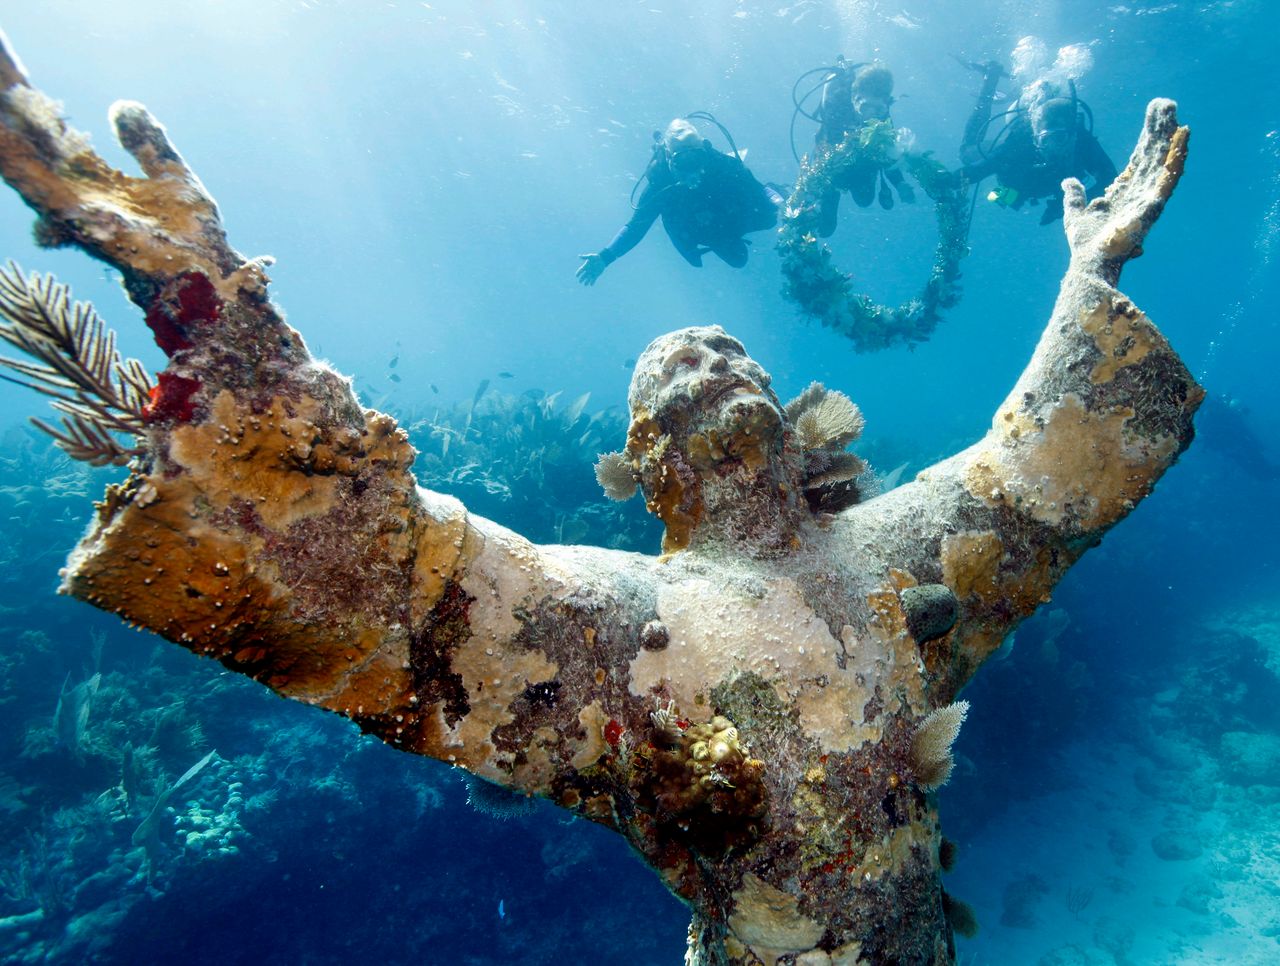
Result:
[[826, 293]]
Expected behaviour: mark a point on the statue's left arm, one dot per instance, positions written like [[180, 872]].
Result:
[[1102, 410]]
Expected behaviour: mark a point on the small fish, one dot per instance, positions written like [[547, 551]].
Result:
[[506, 375], [435, 389], [394, 377], [395, 361], [628, 363], [502, 908], [893, 479], [575, 410]]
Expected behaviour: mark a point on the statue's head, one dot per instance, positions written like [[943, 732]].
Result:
[[720, 460], [707, 439], [700, 380]]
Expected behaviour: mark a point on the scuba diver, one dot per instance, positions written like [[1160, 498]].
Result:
[[1047, 137], [707, 201], [855, 95], [1223, 425]]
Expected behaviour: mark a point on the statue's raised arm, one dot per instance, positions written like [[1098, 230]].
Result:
[[763, 711], [1101, 411]]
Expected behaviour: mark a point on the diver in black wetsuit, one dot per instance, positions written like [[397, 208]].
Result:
[[1045, 141], [1222, 425], [707, 201], [852, 96]]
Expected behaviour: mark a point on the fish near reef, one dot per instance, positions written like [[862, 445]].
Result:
[[726, 707]]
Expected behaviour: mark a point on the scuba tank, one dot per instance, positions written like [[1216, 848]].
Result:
[[838, 74]]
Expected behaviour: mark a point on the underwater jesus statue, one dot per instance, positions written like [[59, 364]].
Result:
[[764, 710]]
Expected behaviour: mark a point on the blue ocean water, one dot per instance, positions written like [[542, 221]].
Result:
[[426, 175]]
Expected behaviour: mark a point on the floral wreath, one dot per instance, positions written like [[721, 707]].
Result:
[[823, 291]]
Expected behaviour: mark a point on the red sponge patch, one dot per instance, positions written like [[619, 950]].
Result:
[[171, 399], [187, 300]]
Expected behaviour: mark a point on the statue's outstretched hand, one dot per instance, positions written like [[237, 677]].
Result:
[[1108, 231], [592, 267]]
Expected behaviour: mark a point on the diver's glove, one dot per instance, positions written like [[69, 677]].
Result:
[[989, 69], [592, 267], [1052, 211]]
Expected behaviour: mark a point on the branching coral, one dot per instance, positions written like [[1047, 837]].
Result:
[[99, 393], [527, 458], [824, 418]]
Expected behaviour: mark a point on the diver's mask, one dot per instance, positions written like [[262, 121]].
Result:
[[871, 108], [687, 165], [1055, 144]]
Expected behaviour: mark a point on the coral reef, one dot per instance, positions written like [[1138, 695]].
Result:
[[274, 524], [528, 458]]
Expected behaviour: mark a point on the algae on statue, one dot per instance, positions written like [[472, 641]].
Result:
[[744, 708]]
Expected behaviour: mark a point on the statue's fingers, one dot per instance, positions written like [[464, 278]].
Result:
[[1074, 198], [146, 139], [1074, 201], [11, 70]]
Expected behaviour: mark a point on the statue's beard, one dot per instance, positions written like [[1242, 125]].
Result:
[[747, 410]]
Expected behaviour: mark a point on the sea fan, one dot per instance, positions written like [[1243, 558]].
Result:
[[825, 422], [824, 466], [495, 800], [824, 419], [931, 759], [833, 480], [98, 392], [616, 475]]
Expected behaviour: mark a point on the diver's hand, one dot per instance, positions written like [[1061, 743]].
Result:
[[592, 267], [992, 68], [907, 193]]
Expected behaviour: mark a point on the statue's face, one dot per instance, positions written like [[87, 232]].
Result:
[[701, 378]]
